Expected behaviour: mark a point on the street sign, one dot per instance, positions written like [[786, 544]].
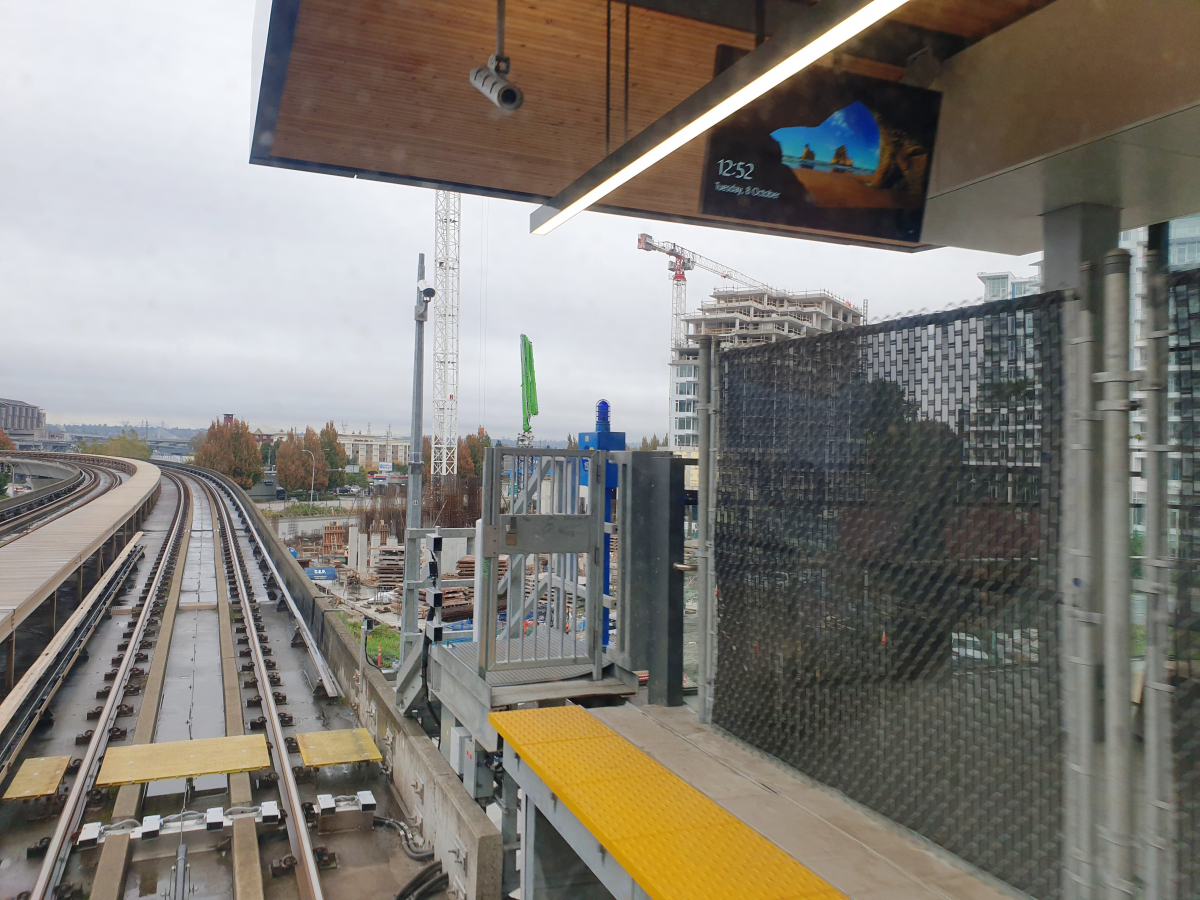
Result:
[[385, 467], [352, 468]]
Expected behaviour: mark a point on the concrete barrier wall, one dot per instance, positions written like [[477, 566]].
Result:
[[464, 839]]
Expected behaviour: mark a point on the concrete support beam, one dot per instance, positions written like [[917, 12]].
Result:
[[1074, 236]]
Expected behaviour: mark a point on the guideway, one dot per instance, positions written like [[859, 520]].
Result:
[[602, 818]]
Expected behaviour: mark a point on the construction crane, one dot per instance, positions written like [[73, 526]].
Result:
[[444, 440], [683, 260]]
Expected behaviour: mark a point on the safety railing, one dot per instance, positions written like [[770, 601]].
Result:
[[541, 555]]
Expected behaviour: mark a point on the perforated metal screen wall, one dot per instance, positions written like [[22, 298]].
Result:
[[886, 541], [1183, 398]]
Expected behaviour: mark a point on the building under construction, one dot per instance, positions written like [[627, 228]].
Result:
[[739, 317]]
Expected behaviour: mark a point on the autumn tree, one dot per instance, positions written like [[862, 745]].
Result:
[[247, 461], [5, 441], [292, 468], [318, 469], [466, 464], [230, 448], [127, 444], [335, 455], [475, 444]]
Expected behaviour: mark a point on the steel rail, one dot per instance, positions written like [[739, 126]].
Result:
[[328, 680], [307, 878], [59, 850], [22, 507], [30, 521], [23, 707]]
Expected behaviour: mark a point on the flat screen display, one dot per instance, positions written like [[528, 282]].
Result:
[[826, 150]]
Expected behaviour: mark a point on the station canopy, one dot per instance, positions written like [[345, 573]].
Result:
[[946, 122]]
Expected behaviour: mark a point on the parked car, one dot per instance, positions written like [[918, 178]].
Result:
[[967, 650]]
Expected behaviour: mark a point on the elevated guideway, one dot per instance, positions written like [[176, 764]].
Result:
[[33, 567]]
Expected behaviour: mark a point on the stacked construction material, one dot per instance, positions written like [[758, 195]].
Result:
[[334, 538], [388, 566]]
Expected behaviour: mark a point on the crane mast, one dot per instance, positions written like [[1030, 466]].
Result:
[[447, 209], [682, 261]]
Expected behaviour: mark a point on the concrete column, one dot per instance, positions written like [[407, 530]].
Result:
[[1074, 236]]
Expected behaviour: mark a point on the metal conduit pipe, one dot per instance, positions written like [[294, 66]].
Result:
[[1156, 583], [1118, 747], [704, 674]]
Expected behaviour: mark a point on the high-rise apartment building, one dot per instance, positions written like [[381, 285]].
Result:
[[739, 317]]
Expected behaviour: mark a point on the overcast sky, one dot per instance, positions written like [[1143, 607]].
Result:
[[148, 272]]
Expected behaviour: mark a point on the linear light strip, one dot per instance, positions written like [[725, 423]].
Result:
[[823, 45]]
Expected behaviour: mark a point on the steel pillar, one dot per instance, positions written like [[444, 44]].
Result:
[[1158, 812], [1115, 566]]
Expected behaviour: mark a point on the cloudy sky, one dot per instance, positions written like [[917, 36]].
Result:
[[148, 272]]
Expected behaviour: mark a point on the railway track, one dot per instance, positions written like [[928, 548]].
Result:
[[94, 479], [160, 677]]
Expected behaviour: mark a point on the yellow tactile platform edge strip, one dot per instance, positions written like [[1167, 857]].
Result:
[[672, 840]]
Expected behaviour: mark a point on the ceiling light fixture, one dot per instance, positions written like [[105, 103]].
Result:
[[813, 34]]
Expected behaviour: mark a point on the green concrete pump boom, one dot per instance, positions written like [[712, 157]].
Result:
[[529, 407]]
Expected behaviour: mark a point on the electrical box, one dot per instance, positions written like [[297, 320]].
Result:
[[366, 801], [151, 826], [214, 819], [270, 812], [477, 776], [459, 737], [326, 805], [89, 835]]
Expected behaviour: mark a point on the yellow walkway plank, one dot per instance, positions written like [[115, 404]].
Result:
[[38, 776], [184, 759], [335, 748], [673, 841]]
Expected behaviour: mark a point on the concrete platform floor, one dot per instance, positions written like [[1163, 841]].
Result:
[[856, 851]]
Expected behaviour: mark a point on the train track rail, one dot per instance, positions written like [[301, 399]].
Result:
[[306, 869], [94, 479], [60, 845], [238, 548]]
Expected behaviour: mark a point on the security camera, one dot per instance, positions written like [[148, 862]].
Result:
[[425, 290], [493, 85]]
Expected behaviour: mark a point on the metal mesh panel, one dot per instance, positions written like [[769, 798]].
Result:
[[1183, 393], [886, 544]]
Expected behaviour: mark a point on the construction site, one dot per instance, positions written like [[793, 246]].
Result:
[[903, 607]]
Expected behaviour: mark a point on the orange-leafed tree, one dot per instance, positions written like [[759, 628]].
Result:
[[318, 476], [230, 449], [292, 468], [5, 441]]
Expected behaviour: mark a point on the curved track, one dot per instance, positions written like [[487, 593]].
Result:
[[212, 577], [96, 477]]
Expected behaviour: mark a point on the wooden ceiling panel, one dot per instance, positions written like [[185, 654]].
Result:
[[380, 87]]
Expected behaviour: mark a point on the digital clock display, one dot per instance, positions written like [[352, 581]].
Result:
[[828, 151]]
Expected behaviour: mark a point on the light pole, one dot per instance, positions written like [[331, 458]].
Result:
[[312, 485]]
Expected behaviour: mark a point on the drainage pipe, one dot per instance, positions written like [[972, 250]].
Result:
[[704, 674]]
